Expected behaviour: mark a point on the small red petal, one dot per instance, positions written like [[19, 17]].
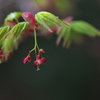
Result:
[[41, 51], [25, 60], [43, 60], [39, 62], [28, 17], [35, 63]]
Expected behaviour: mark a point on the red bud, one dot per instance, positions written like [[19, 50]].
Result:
[[25, 61], [35, 63], [43, 60], [41, 51], [28, 17]]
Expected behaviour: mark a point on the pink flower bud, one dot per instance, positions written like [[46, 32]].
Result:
[[43, 60], [25, 60], [41, 51], [28, 17], [35, 63]]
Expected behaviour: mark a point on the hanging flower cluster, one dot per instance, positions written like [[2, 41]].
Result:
[[12, 31]]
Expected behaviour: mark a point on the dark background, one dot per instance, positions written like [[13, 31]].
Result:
[[69, 74]]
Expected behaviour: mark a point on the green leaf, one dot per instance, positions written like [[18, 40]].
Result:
[[85, 28], [4, 30], [8, 45], [19, 28], [65, 33], [42, 22], [43, 18], [12, 16]]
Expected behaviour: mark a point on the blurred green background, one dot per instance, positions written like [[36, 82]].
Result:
[[69, 74]]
